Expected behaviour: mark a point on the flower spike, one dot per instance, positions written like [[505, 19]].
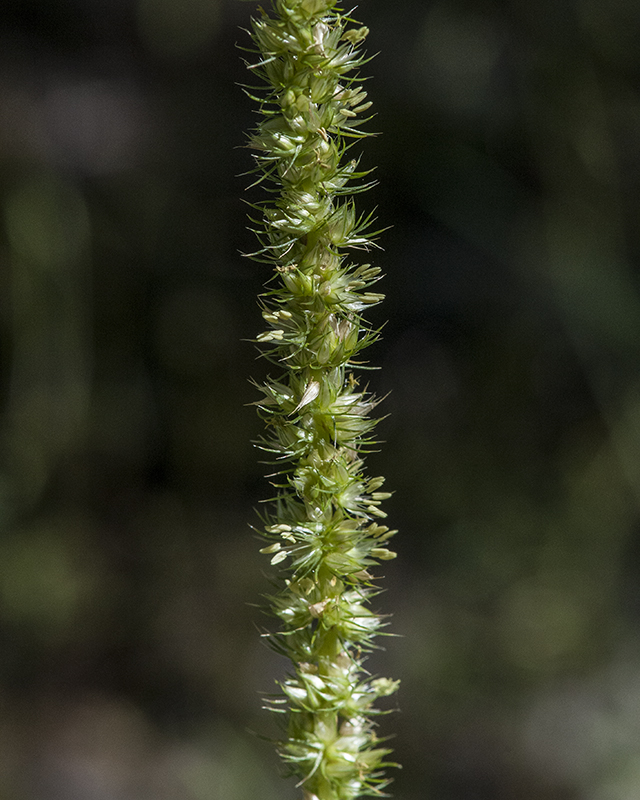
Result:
[[322, 530]]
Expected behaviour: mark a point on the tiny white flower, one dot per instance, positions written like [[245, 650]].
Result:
[[309, 395], [320, 30], [317, 609]]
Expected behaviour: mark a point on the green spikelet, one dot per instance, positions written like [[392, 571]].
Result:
[[324, 527]]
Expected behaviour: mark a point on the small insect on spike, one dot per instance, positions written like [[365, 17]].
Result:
[[319, 530]]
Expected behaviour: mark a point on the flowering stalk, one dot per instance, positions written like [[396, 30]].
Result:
[[324, 526]]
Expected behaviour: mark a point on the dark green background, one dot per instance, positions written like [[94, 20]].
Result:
[[509, 165]]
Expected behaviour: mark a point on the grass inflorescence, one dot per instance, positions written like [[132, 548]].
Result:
[[324, 529]]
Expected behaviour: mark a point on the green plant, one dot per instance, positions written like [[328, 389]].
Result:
[[324, 528]]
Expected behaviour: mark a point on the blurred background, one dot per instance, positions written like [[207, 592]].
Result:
[[509, 167]]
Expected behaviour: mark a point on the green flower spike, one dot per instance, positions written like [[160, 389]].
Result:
[[324, 527]]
